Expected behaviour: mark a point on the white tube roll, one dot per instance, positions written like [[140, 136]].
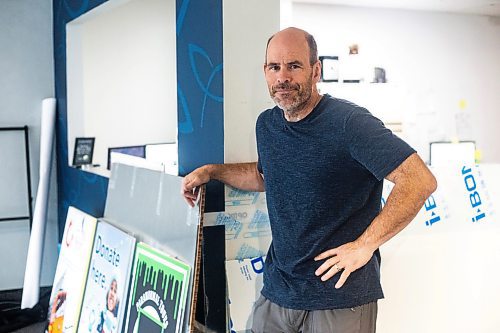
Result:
[[31, 289]]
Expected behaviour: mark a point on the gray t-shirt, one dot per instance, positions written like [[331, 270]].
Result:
[[323, 178]]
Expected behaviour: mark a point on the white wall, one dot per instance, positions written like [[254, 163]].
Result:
[[433, 61], [247, 26], [423, 275], [127, 76], [26, 78]]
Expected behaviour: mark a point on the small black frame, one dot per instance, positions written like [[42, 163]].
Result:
[[84, 151], [329, 68]]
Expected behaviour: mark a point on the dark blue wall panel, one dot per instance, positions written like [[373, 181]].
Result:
[[200, 90], [200, 102], [75, 188]]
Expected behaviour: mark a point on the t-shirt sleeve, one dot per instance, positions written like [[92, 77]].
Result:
[[373, 145]]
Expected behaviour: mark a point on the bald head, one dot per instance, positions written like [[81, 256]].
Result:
[[292, 70], [296, 35]]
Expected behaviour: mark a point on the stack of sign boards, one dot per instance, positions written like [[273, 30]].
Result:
[[105, 282]]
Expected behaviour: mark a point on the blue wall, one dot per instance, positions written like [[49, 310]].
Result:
[[200, 90], [200, 102]]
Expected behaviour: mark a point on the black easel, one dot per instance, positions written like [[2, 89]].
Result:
[[28, 175]]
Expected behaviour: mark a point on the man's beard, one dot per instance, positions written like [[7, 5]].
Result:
[[292, 104]]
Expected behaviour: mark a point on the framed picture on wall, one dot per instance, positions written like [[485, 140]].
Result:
[[329, 68], [84, 151]]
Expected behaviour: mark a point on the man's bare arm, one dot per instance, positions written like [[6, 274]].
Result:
[[413, 183], [244, 176]]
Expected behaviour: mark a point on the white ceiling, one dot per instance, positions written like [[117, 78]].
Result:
[[480, 7]]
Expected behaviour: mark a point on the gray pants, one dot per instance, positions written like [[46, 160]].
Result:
[[272, 318]]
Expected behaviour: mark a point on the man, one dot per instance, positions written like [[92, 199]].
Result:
[[322, 162]]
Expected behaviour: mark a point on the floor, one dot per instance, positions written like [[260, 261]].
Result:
[[13, 319], [34, 328]]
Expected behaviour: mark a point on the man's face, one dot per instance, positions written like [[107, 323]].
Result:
[[289, 75], [112, 296]]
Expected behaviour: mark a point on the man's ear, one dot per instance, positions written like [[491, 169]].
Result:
[[317, 71]]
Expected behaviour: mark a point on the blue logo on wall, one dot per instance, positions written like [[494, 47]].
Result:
[[431, 207], [474, 197]]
